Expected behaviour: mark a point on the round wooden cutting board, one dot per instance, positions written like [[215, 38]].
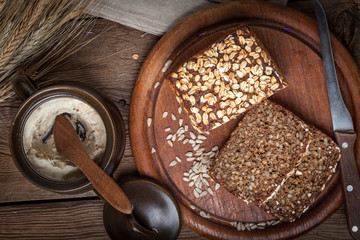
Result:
[[159, 129]]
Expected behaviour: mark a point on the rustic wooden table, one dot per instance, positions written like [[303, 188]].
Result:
[[28, 212]]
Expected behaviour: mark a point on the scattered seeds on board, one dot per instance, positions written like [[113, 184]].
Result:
[[149, 120], [135, 56], [201, 137], [197, 195], [204, 214], [156, 85], [165, 115], [166, 65], [189, 154], [185, 179], [153, 150]]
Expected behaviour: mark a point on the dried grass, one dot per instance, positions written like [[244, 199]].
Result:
[[36, 35]]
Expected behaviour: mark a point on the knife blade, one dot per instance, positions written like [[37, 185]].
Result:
[[343, 128]]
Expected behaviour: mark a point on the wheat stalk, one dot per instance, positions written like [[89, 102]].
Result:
[[37, 34]]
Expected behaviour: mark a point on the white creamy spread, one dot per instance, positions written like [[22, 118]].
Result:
[[38, 140]]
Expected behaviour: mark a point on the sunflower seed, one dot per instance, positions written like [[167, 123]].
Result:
[[210, 191], [192, 135], [170, 143], [180, 130], [153, 150], [189, 154], [173, 138], [169, 136], [167, 129], [178, 159], [198, 141], [165, 114], [179, 110], [186, 128], [217, 186], [181, 137], [204, 193], [156, 85], [186, 141], [204, 214], [197, 195], [180, 122], [149, 120], [191, 141], [190, 159], [173, 163], [196, 147], [261, 224], [205, 182], [166, 65], [192, 207], [173, 117], [185, 179], [201, 137]]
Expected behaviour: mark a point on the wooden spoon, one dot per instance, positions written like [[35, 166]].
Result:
[[68, 144]]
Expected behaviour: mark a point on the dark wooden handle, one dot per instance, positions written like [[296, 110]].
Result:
[[105, 185], [350, 181], [68, 144]]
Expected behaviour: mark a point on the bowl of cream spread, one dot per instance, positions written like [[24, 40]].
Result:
[[96, 120], [38, 139]]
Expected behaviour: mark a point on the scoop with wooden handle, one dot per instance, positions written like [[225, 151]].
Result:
[[68, 144]]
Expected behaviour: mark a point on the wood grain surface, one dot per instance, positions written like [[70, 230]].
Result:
[[28, 212]]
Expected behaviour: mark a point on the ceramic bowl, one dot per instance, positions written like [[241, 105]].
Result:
[[33, 98]]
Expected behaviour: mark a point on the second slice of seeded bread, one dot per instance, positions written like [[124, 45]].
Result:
[[261, 153], [310, 176]]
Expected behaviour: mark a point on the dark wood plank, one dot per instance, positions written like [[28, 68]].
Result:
[[82, 219], [107, 64]]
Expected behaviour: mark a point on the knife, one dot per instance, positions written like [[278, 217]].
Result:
[[343, 129]]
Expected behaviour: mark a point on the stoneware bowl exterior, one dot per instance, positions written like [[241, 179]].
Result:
[[114, 124]]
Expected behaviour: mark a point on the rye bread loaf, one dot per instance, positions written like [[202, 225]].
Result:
[[285, 180], [225, 80], [261, 152]]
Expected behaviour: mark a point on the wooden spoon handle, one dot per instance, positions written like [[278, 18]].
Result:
[[350, 181], [68, 144], [105, 186]]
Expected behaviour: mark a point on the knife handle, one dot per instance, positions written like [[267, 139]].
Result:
[[350, 181]]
